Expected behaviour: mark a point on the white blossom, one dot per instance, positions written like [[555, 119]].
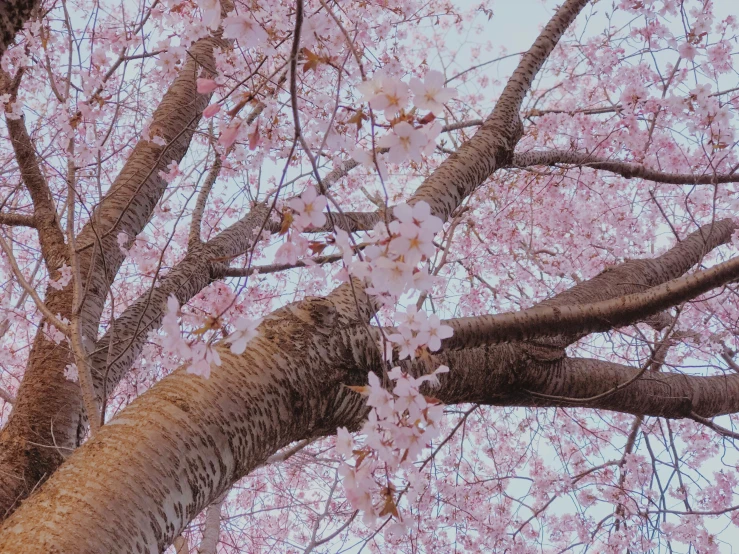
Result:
[[309, 208], [246, 330], [245, 29], [405, 142], [431, 94]]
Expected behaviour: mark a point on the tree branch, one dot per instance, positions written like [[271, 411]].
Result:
[[46, 222], [294, 386], [276, 268], [493, 145], [122, 343], [583, 319], [480, 378], [17, 220], [6, 396], [625, 169], [126, 208], [28, 288], [212, 527]]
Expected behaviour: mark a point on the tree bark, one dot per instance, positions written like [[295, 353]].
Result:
[[13, 15], [181, 445], [45, 423], [628, 170], [607, 301]]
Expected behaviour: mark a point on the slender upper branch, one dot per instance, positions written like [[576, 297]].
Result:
[[17, 220], [493, 144], [583, 319], [625, 169], [51, 236], [29, 289]]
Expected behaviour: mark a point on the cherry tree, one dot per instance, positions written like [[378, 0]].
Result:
[[321, 276]]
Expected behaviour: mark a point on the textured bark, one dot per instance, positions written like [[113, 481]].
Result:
[[509, 375], [625, 169], [51, 237], [13, 15], [492, 145], [203, 264], [178, 447], [130, 202], [45, 421], [175, 449], [19, 220], [39, 436]]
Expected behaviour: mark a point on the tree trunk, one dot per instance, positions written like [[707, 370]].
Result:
[[46, 417]]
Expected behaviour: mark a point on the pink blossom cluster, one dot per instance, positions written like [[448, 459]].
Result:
[[417, 330], [391, 95], [65, 276], [307, 210], [200, 356], [390, 262], [399, 427]]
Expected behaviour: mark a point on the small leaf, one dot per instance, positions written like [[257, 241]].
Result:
[[389, 507], [361, 455], [363, 389], [312, 60], [287, 221], [428, 118], [317, 247], [357, 119]]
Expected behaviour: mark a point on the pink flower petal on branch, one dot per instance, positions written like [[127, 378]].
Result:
[[206, 86], [211, 110]]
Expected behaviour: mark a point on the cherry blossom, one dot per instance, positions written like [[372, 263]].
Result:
[[229, 134], [344, 442], [211, 110], [407, 341], [431, 94], [211, 13], [644, 83], [206, 86], [199, 357], [405, 142], [291, 249], [399, 427], [71, 373], [245, 29], [245, 331], [204, 357], [168, 61], [309, 208], [123, 242], [688, 51], [64, 278], [387, 94], [434, 332]]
